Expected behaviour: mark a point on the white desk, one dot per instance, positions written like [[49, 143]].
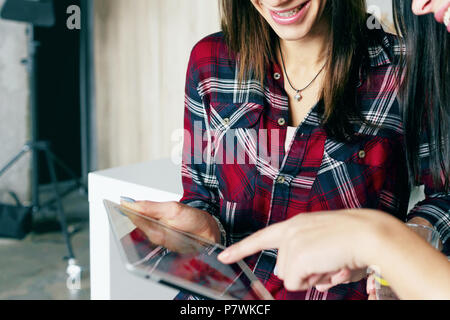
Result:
[[158, 181]]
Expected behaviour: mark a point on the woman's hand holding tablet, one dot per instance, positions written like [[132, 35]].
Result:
[[179, 216], [155, 250]]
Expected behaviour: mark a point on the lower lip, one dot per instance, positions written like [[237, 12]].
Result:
[[290, 20]]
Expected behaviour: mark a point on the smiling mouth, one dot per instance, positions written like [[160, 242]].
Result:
[[291, 13]]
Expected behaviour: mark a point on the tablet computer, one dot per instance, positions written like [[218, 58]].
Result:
[[156, 251]]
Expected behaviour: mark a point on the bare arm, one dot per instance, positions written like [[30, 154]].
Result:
[[414, 269]]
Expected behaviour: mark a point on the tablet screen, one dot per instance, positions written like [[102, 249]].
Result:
[[178, 259]]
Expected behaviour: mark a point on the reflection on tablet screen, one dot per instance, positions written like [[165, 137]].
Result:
[[180, 259]]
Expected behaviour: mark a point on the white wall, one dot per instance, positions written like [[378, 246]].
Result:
[[13, 107], [141, 54]]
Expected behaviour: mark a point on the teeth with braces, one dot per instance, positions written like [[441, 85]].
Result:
[[288, 13]]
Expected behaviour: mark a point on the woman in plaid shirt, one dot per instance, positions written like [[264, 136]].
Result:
[[292, 109]]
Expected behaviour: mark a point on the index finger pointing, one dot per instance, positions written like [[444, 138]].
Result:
[[266, 238]]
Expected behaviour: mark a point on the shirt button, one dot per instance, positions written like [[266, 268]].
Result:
[[281, 179], [277, 76], [361, 154], [281, 121], [226, 121]]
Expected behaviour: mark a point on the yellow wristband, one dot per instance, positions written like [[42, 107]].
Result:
[[381, 281]]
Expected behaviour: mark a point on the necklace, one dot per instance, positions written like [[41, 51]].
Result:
[[298, 95]]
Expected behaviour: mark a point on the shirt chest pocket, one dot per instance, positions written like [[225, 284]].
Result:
[[359, 171], [235, 130], [372, 151]]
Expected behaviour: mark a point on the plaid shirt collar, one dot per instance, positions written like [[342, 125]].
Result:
[[380, 50]]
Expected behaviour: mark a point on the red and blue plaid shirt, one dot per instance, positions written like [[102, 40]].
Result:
[[248, 181]]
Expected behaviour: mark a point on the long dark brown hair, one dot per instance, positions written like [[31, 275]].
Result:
[[425, 92], [250, 36]]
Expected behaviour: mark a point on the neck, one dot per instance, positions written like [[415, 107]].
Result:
[[310, 50]]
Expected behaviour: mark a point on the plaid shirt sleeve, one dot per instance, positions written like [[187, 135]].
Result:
[[436, 206], [199, 181]]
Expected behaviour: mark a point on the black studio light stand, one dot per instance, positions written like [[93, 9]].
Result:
[[40, 13]]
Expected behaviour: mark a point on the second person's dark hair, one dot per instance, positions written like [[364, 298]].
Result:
[[425, 92]]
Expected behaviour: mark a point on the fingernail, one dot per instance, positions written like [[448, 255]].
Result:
[[224, 255], [126, 199]]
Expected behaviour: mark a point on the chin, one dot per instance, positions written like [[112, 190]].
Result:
[[293, 35]]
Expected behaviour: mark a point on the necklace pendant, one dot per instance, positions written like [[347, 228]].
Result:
[[298, 96]]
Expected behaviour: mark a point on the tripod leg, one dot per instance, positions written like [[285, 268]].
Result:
[[16, 158], [62, 217], [34, 167], [69, 171]]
